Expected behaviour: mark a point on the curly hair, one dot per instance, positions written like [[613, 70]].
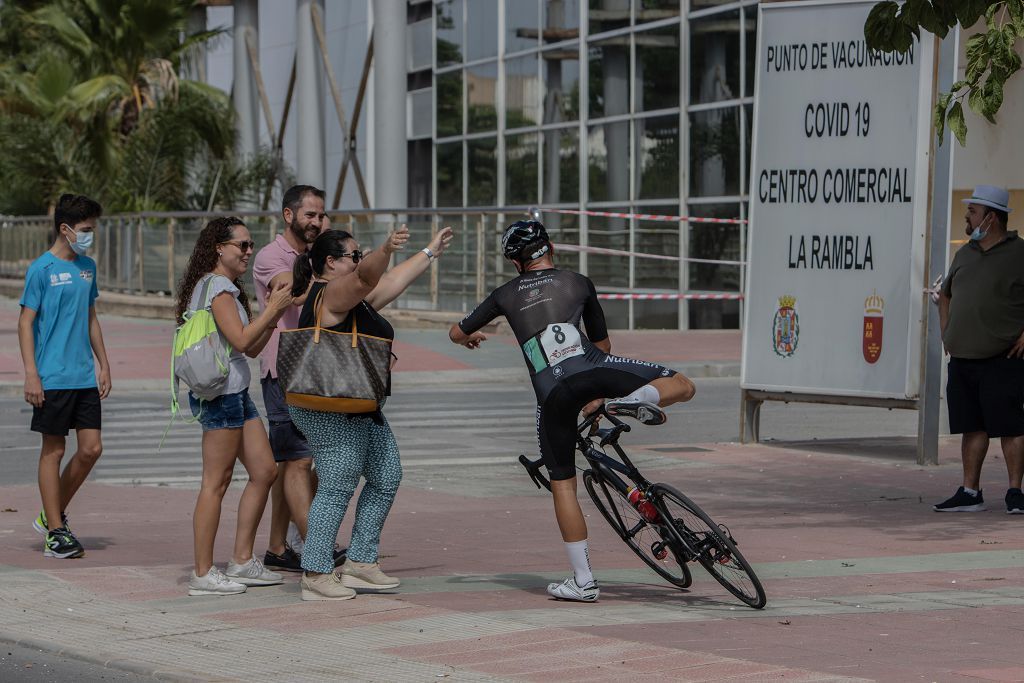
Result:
[[204, 259]]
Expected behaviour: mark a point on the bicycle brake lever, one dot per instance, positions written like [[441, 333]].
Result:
[[533, 469]]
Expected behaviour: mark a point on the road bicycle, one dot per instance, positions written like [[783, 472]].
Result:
[[662, 526]]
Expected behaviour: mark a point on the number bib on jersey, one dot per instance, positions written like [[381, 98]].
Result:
[[556, 343]]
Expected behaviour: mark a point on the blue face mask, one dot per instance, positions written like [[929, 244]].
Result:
[[978, 233], [82, 243]]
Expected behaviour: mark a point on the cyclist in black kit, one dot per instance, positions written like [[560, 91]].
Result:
[[571, 372]]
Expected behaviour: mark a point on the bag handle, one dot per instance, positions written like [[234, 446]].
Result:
[[318, 306]]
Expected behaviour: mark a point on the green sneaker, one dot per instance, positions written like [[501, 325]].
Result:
[[62, 544], [42, 528]]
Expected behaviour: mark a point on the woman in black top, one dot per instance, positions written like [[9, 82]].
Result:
[[349, 447]]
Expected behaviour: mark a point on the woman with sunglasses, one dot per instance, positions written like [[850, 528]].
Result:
[[232, 428], [349, 447]]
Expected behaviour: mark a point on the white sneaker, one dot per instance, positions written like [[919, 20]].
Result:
[[569, 590], [213, 583], [253, 573]]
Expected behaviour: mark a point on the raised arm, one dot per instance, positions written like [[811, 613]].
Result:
[[398, 279], [343, 293]]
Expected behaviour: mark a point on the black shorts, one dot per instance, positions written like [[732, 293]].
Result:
[[67, 409], [986, 395], [564, 389], [286, 441]]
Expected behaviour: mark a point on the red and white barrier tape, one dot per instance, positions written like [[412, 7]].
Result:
[[648, 216], [660, 257], [670, 297]]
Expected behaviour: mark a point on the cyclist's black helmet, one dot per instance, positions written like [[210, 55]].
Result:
[[525, 241]]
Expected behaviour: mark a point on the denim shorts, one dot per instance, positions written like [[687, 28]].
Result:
[[229, 411]]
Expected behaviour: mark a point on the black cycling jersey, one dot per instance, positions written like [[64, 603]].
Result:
[[539, 298], [545, 308]]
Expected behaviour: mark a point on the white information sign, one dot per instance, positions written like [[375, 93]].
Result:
[[838, 197]]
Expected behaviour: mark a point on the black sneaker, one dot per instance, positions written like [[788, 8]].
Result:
[[339, 556], [962, 502], [642, 411], [62, 544], [1014, 502], [288, 561]]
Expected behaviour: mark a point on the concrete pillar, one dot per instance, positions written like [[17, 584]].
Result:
[[615, 68], [390, 148], [195, 65], [245, 95], [311, 164]]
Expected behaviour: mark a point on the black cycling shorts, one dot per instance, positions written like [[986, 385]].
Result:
[[563, 390], [986, 395]]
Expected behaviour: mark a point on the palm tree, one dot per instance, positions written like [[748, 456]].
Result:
[[91, 100]]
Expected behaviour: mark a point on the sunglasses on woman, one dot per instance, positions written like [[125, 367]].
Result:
[[355, 254], [244, 245]]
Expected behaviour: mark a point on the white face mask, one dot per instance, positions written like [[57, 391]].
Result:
[[82, 243]]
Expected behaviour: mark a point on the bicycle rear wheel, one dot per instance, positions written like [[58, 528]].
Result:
[[644, 539], [711, 543]]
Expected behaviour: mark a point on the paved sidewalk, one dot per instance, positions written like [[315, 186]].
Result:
[[864, 581]]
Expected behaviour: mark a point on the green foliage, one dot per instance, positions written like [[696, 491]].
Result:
[[991, 56], [91, 101]]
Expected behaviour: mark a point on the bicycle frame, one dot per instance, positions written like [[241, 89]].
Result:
[[605, 465]]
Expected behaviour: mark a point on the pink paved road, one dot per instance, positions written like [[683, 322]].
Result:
[[139, 349], [864, 582]]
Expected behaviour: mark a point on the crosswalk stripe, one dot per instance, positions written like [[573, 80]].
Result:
[[426, 430], [152, 475]]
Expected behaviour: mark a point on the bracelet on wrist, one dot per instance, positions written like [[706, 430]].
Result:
[[431, 256]]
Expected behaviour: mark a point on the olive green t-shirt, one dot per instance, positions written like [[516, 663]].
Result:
[[986, 290]]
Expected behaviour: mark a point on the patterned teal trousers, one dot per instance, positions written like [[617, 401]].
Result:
[[346, 449]]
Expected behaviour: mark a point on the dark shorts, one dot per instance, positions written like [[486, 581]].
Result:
[[286, 441], [67, 409], [572, 384], [986, 395], [229, 411]]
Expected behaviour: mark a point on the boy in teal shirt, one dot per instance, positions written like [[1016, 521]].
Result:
[[59, 333]]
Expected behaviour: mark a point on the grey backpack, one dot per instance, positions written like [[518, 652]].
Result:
[[201, 357]]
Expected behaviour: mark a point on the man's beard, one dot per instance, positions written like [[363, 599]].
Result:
[[307, 234]]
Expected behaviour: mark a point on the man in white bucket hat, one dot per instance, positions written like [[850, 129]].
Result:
[[981, 311]]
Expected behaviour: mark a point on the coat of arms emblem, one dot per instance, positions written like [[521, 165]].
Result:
[[786, 327], [872, 346]]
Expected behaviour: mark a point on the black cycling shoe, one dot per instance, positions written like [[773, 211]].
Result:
[[642, 411], [288, 561]]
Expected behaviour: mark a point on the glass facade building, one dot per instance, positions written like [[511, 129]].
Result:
[[631, 106]]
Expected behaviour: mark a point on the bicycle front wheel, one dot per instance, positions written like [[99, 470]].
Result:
[[644, 539], [710, 543]]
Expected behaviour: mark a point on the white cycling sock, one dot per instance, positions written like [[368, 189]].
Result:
[[646, 393], [971, 492], [579, 558]]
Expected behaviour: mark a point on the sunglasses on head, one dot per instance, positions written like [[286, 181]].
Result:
[[244, 245]]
